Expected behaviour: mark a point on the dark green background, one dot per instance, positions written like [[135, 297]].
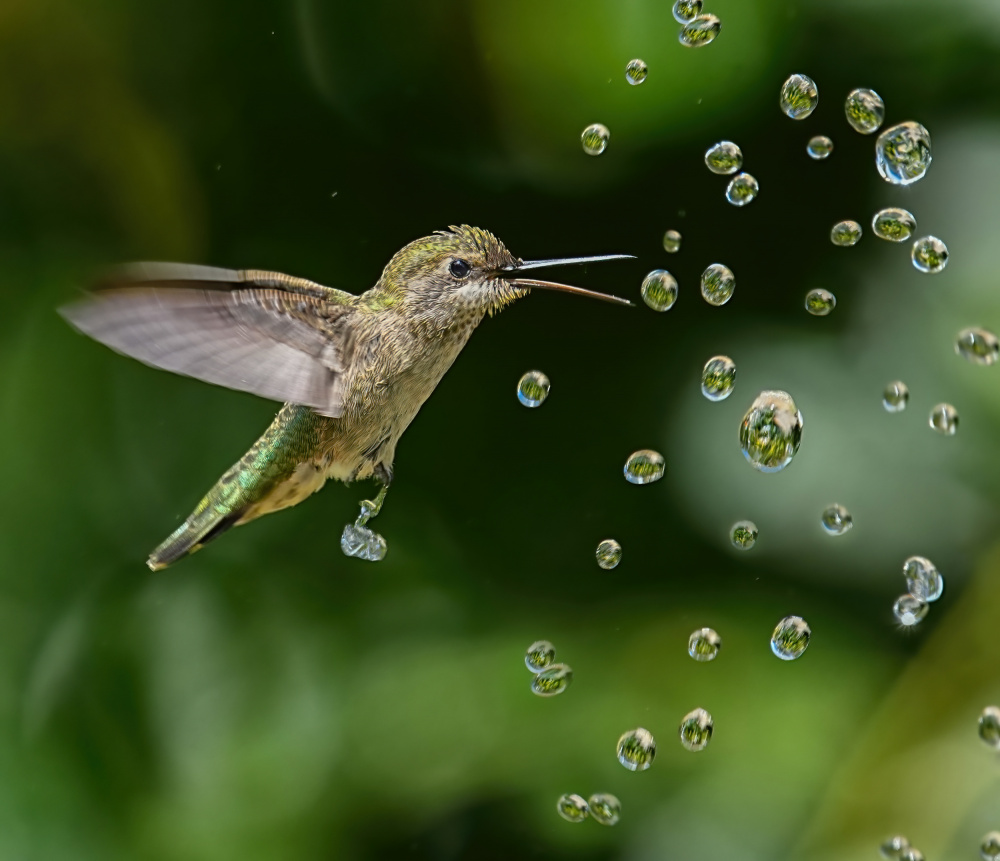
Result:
[[271, 699]]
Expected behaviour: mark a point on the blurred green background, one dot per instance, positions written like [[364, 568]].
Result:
[[272, 699]]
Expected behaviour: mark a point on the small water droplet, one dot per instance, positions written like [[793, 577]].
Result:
[[989, 846], [895, 397], [893, 847], [820, 302], [718, 378], [696, 729], [685, 10], [771, 431], [644, 466], [909, 611], [362, 543], [572, 807], [553, 680], [743, 534], [724, 158], [636, 71], [929, 254], [717, 284], [636, 749], [659, 290], [595, 139], [893, 224], [671, 242], [911, 854], [533, 388], [790, 638], [540, 655], [989, 727], [979, 346], [819, 147], [944, 419], [845, 233], [609, 554], [799, 97], [836, 519], [699, 31], [923, 580], [903, 153], [704, 645], [605, 808], [865, 110], [742, 189]]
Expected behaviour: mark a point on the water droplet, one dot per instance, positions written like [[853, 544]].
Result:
[[865, 110], [609, 554], [572, 807], [552, 680], [718, 378], [909, 611], [605, 808], [895, 397], [533, 388], [540, 655], [893, 847], [845, 233], [903, 153], [644, 466], [699, 31], [685, 10], [671, 242], [989, 726], [820, 302], [743, 534], [696, 729], [742, 189], [636, 749], [362, 543], [724, 158], [799, 97], [595, 139], [989, 846], [836, 519], [819, 147], [790, 638], [704, 645], [717, 284], [929, 254], [893, 224], [771, 431], [923, 580], [944, 419], [659, 290], [978, 345], [911, 854], [636, 71]]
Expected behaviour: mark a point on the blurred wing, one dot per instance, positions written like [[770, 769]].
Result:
[[280, 337]]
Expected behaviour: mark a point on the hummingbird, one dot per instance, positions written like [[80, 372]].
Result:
[[351, 370]]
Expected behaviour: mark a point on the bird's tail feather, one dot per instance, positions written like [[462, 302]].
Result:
[[193, 534]]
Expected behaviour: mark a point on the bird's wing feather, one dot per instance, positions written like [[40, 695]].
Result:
[[280, 337]]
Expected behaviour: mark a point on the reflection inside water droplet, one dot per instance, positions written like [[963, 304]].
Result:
[[865, 110], [609, 554], [819, 147], [771, 431], [820, 302], [903, 153], [742, 189], [699, 31], [929, 255], [659, 290], [790, 638], [836, 520], [799, 97], [362, 543], [989, 846], [552, 680], [909, 611], [743, 534], [636, 749], [696, 729], [671, 242], [893, 224], [845, 233], [923, 580], [979, 346], [572, 807], [724, 158], [595, 139], [605, 808], [644, 466], [685, 10], [636, 72], [704, 644], [944, 419], [540, 655], [893, 847], [717, 284], [533, 388], [989, 726], [718, 378], [895, 397]]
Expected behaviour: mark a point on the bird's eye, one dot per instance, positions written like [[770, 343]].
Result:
[[459, 268]]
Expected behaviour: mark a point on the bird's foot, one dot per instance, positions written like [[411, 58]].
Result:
[[358, 540]]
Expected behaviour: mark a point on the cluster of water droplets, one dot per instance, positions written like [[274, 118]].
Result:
[[603, 807], [550, 678], [726, 158], [697, 28], [924, 585]]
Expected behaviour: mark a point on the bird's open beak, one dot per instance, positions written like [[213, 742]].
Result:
[[529, 283]]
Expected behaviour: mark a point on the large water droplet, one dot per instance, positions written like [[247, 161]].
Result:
[[893, 224], [533, 388], [671, 242], [718, 378], [644, 466], [685, 10], [595, 139], [609, 554], [552, 680], [923, 580], [636, 71], [989, 846], [909, 611], [978, 345], [944, 419], [771, 431], [929, 254], [659, 290], [696, 729], [743, 534], [540, 655], [790, 638], [911, 853], [895, 397], [893, 847], [699, 31], [704, 644], [865, 110], [362, 543], [989, 726], [724, 158], [717, 284], [572, 807], [819, 147], [742, 189], [636, 749], [605, 808], [836, 519], [845, 233], [798, 97], [820, 302], [903, 153]]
